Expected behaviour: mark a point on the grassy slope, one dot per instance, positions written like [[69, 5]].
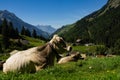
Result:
[[89, 69], [64, 29], [34, 42]]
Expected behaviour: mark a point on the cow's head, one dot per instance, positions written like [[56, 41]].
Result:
[[59, 44], [75, 56]]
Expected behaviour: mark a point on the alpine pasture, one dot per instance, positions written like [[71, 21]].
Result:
[[92, 68]]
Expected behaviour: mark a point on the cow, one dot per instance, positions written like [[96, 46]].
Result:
[[72, 57], [13, 52], [36, 58]]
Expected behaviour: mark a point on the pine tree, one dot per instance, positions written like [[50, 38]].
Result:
[[0, 29], [0, 48], [23, 31], [16, 33], [11, 31], [27, 33], [34, 34], [5, 40]]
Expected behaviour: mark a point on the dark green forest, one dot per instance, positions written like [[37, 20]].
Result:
[[10, 37], [102, 27]]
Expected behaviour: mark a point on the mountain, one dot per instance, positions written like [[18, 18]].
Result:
[[100, 27], [47, 28], [18, 23]]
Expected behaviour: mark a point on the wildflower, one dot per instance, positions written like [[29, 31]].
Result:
[[90, 67]]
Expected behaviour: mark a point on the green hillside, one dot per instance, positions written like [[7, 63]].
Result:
[[15, 44], [100, 27], [34, 42], [64, 29], [11, 39]]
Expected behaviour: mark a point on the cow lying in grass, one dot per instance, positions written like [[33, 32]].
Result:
[[74, 56], [36, 58]]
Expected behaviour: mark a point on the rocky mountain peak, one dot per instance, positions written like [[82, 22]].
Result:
[[113, 3], [6, 13], [110, 4]]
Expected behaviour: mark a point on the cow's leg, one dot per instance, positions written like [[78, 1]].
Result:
[[58, 57]]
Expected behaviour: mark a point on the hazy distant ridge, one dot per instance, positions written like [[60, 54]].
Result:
[[47, 28]]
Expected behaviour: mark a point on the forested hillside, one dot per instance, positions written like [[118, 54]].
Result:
[[100, 27], [19, 23], [11, 38]]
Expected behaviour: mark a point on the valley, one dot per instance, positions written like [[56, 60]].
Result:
[[96, 35]]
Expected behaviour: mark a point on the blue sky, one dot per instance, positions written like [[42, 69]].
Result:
[[51, 12]]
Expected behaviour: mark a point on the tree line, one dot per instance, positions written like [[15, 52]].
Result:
[[8, 31]]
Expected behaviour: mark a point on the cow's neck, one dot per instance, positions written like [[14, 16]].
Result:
[[55, 52]]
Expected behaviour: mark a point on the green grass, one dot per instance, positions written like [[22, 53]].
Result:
[[106, 68], [101, 69], [34, 42], [16, 45], [85, 49]]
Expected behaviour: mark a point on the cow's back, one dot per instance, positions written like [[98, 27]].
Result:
[[19, 61]]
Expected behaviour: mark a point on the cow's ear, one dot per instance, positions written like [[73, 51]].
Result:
[[55, 36], [54, 39], [58, 39]]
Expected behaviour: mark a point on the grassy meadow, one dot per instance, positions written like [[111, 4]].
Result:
[[89, 69], [92, 68]]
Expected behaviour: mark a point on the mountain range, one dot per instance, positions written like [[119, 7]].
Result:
[[47, 28], [43, 31], [99, 27]]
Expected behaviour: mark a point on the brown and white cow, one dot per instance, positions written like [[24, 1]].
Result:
[[72, 57], [36, 58]]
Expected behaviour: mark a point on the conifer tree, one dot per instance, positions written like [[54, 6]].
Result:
[[16, 33], [23, 31], [34, 34], [27, 33], [0, 29], [5, 40], [11, 31]]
